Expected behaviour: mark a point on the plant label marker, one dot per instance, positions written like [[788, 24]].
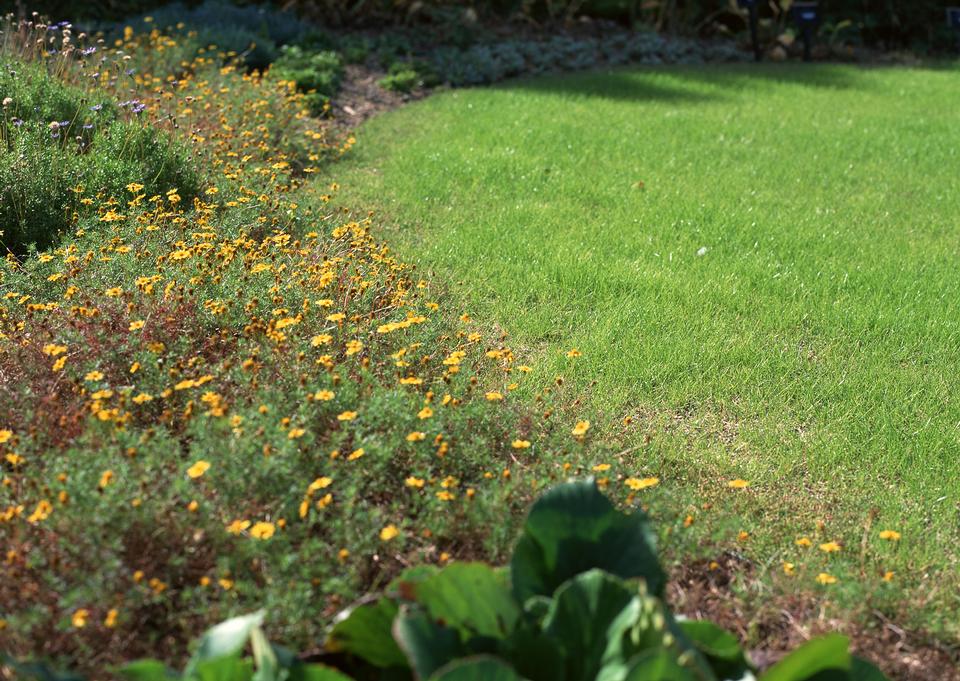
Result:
[[953, 21], [807, 16], [751, 7]]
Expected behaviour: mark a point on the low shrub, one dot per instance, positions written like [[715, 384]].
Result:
[[316, 74], [56, 143], [405, 76]]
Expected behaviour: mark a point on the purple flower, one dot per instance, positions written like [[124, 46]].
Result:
[[64, 124], [129, 72], [17, 122], [88, 126], [96, 107], [87, 51], [138, 107]]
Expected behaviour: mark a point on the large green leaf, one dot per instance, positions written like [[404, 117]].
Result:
[[316, 672], [657, 665], [428, 644], [147, 670], [573, 528], [824, 659], [366, 631], [712, 640], [470, 597], [229, 668], [862, 670], [589, 617], [480, 668], [533, 653], [224, 640]]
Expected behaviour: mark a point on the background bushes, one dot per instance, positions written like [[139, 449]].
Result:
[[888, 24]]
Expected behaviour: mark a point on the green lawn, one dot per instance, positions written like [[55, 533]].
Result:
[[760, 264]]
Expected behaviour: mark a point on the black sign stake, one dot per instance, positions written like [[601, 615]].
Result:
[[751, 7], [807, 16]]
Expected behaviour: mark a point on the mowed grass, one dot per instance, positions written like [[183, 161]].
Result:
[[760, 265]]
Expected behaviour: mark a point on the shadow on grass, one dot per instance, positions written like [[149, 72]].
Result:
[[693, 84]]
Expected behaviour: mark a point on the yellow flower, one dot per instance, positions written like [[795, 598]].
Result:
[[198, 469], [572, 353], [425, 413], [295, 433], [414, 482], [416, 436], [336, 317], [137, 325], [803, 541], [320, 339], [5, 436], [743, 536], [830, 547], [494, 396], [347, 416], [356, 454], [788, 569], [319, 483], [324, 395], [637, 484], [59, 364], [238, 526], [79, 618], [353, 347], [110, 621], [105, 479], [581, 428], [143, 397], [193, 506], [52, 349], [520, 444], [114, 292], [389, 532], [890, 535], [826, 578], [343, 554], [888, 576], [738, 483], [93, 376], [262, 530]]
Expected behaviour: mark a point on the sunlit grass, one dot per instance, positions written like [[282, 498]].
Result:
[[758, 264]]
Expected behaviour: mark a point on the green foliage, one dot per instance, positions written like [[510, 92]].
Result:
[[465, 623], [318, 74], [56, 137], [580, 623], [405, 76]]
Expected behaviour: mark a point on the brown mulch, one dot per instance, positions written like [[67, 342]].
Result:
[[775, 625], [361, 98]]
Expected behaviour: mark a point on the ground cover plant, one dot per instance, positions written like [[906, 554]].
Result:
[[235, 400], [756, 265]]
